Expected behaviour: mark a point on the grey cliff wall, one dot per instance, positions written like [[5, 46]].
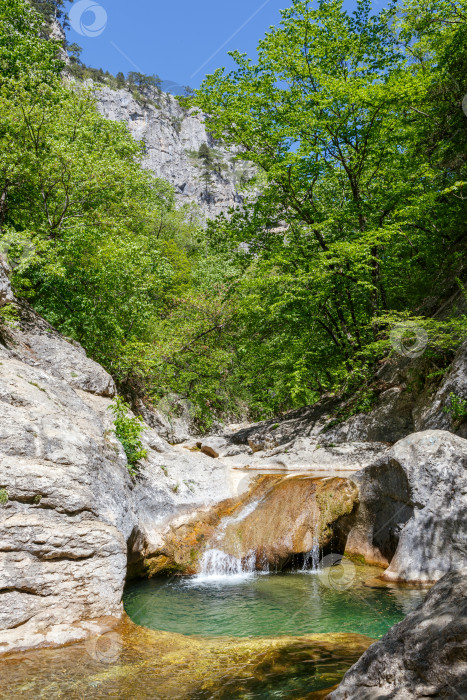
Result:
[[172, 136]]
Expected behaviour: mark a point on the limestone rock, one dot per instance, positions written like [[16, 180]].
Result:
[[170, 482], [294, 515], [36, 343], [432, 414], [390, 420], [72, 521], [172, 419], [424, 656], [172, 137], [413, 508], [6, 294], [407, 402], [64, 526]]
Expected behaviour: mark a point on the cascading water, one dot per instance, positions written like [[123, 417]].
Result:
[[312, 558], [268, 533], [216, 564]]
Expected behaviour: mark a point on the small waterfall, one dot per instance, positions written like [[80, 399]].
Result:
[[286, 527], [217, 564], [311, 560]]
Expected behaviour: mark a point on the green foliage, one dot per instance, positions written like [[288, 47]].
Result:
[[50, 9], [3, 497], [23, 52], [129, 430], [362, 215], [457, 408], [355, 222], [8, 315], [144, 88]]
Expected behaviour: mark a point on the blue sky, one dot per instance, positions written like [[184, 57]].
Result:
[[180, 41]]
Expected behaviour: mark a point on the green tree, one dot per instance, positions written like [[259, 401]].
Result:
[[353, 219], [121, 82]]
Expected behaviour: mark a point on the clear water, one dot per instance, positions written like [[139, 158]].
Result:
[[217, 660], [256, 605]]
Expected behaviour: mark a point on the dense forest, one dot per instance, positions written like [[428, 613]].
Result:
[[356, 222]]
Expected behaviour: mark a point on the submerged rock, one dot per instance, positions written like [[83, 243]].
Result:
[[424, 656], [135, 662]]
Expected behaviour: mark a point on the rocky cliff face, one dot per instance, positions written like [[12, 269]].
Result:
[[69, 511], [172, 137]]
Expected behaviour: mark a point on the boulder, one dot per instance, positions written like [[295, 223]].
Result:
[[424, 656], [73, 523], [413, 508], [209, 451]]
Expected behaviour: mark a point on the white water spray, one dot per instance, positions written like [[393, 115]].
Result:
[[311, 560], [216, 564]]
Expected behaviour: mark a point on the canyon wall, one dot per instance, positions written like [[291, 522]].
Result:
[[172, 137]]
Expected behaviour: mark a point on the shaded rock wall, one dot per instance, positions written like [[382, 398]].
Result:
[[424, 656], [404, 401]]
